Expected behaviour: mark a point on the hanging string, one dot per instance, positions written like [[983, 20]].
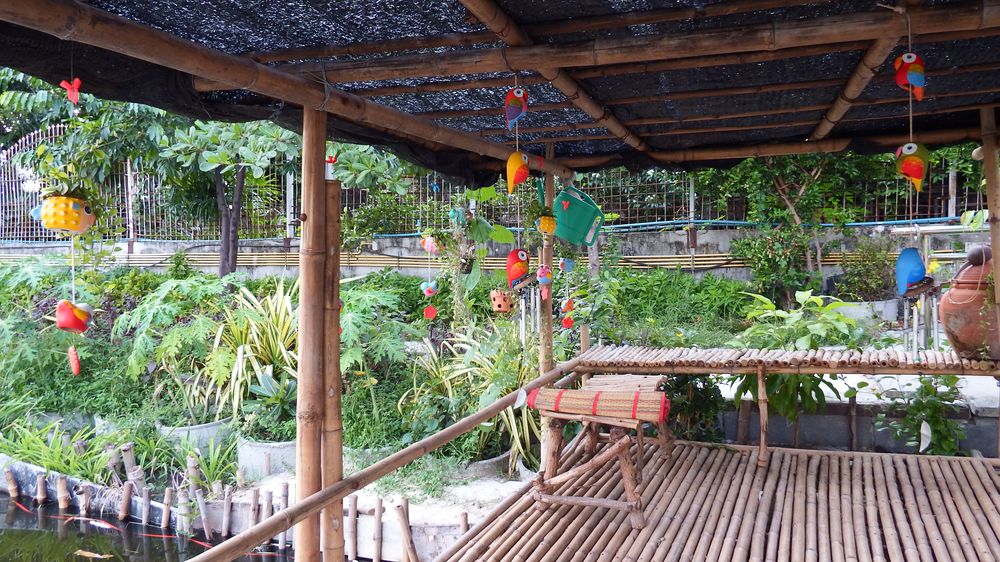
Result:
[[72, 268], [909, 49]]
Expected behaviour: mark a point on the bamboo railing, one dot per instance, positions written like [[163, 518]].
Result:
[[283, 520]]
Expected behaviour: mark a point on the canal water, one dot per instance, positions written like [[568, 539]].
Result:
[[29, 534]]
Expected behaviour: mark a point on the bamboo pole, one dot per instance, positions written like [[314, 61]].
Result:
[[227, 510], [333, 426], [919, 508], [41, 493], [84, 24], [282, 536], [146, 506], [762, 407], [608, 51], [404, 526], [168, 500], [991, 175], [125, 504], [254, 512], [352, 527], [545, 337], [12, 488], [62, 492], [377, 534], [312, 341]]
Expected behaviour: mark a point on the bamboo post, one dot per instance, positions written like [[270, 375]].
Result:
[[126, 502], [404, 505], [145, 505], [85, 500], [128, 456], [227, 508], [762, 407], [168, 500], [254, 507], [62, 492], [333, 426], [193, 469], [377, 534], [199, 495], [41, 493], [267, 504], [988, 124], [463, 522], [12, 489], [352, 527], [283, 535], [545, 337], [312, 264], [183, 512], [409, 548]]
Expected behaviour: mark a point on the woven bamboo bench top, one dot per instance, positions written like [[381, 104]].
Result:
[[683, 360], [714, 502]]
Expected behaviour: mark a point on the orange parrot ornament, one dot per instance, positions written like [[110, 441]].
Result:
[[515, 106], [912, 163], [75, 318], [517, 170], [910, 74], [517, 267]]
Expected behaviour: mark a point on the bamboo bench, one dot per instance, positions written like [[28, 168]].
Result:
[[624, 412]]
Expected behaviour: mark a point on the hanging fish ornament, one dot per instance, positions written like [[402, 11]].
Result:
[[912, 161], [74, 360], [75, 318], [566, 264], [517, 170], [515, 106], [68, 215], [517, 267], [547, 222], [429, 288], [544, 276], [568, 306], [910, 74], [72, 90]]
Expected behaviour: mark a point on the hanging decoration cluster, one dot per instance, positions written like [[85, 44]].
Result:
[[515, 107], [912, 159]]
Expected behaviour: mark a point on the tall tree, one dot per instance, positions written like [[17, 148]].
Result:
[[220, 160]]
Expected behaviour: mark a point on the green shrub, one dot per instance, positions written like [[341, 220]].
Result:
[[869, 274]]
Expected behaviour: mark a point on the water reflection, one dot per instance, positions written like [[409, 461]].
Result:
[[46, 535]]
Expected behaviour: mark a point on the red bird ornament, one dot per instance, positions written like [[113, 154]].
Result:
[[72, 90], [517, 267], [75, 318], [515, 106]]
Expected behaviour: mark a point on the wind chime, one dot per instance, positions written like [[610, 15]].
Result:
[[429, 287], [912, 164]]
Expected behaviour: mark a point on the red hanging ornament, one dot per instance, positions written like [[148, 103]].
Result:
[[74, 360], [72, 90], [567, 322], [430, 312]]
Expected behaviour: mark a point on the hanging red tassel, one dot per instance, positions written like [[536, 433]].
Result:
[[74, 360]]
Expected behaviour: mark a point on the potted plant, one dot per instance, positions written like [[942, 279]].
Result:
[[268, 426], [868, 282], [188, 409]]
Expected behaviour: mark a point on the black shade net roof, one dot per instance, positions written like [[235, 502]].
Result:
[[720, 103]]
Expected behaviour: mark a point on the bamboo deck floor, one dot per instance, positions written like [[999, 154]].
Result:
[[713, 502]]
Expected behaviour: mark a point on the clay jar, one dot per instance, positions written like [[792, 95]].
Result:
[[971, 325]]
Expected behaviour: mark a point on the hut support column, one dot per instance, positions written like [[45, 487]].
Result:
[[988, 123], [762, 413], [312, 273], [333, 427], [545, 340]]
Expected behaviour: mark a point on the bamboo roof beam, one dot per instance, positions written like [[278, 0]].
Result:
[[541, 29], [745, 90], [734, 128], [822, 146], [73, 21], [497, 21], [874, 57], [863, 26]]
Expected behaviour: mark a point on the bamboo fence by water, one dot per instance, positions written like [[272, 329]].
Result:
[[712, 502]]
